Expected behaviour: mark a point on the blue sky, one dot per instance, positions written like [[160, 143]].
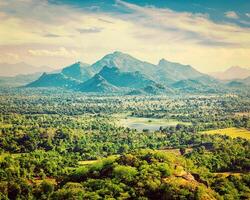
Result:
[[209, 35], [216, 9]]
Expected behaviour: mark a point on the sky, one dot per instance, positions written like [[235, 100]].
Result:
[[209, 35]]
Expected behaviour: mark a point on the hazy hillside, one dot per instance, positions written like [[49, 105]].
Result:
[[54, 80], [239, 83], [21, 68], [80, 71], [232, 73], [169, 72], [18, 80]]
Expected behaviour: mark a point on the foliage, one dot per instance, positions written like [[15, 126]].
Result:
[[56, 145]]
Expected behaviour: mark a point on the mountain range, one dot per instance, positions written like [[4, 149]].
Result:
[[121, 73]]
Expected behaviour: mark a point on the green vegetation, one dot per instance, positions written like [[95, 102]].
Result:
[[60, 145]]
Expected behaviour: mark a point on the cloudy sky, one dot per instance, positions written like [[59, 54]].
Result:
[[209, 35]]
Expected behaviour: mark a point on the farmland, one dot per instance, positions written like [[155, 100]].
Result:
[[232, 132]]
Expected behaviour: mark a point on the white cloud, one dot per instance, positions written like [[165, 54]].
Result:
[[231, 15], [189, 27], [89, 30], [63, 34], [61, 52], [13, 56], [248, 14]]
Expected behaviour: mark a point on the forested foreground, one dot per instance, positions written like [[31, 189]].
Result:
[[65, 146]]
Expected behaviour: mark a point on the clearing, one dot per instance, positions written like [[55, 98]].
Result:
[[141, 123], [232, 132]]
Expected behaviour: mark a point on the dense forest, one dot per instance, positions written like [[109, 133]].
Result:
[[63, 145]]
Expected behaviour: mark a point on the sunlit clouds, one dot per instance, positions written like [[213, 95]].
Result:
[[41, 33], [232, 15]]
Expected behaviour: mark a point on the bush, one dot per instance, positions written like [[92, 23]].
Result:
[[126, 173]]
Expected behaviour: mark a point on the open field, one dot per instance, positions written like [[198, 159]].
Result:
[[232, 132], [140, 123]]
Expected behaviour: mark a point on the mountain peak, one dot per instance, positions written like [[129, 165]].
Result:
[[117, 55], [79, 63], [44, 74], [163, 61], [125, 63]]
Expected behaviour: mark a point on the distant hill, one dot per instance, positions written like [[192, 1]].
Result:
[[239, 83], [8, 70], [125, 79], [112, 79], [79, 71], [188, 85], [19, 80], [170, 72], [198, 85], [246, 80], [152, 90], [136, 92], [120, 72], [232, 73], [54, 80], [97, 84], [124, 63]]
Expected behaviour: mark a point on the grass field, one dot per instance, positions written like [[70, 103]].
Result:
[[232, 132], [141, 123]]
